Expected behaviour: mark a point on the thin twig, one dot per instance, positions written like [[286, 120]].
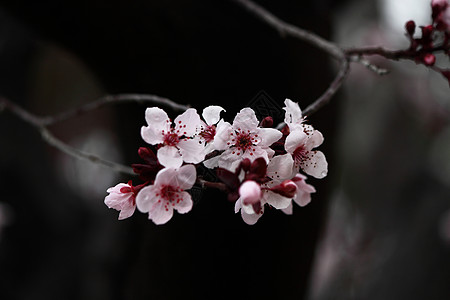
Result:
[[332, 89], [288, 29], [113, 99], [208, 184], [366, 63]]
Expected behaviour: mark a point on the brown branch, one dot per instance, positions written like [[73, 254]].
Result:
[[208, 184]]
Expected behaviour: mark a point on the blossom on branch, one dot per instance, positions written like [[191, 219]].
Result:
[[167, 193], [301, 141], [243, 139], [122, 197], [179, 142]]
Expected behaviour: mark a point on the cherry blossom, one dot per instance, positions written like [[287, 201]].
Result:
[[243, 139], [122, 197], [303, 194], [179, 142], [167, 193], [301, 141], [207, 132]]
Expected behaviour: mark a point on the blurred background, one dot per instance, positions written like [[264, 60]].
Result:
[[377, 228]]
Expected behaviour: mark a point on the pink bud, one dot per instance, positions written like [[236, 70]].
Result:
[[250, 192], [267, 122], [287, 188], [429, 59]]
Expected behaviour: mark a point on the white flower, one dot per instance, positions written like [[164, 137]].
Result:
[[207, 132], [301, 141], [179, 143], [243, 139], [122, 198], [167, 193]]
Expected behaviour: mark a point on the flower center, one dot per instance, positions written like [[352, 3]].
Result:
[[170, 195], [300, 154], [171, 139], [243, 141], [208, 133]]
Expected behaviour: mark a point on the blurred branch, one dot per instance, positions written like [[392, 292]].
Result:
[[41, 123], [113, 99]]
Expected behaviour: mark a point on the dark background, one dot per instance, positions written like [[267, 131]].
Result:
[[63, 243]]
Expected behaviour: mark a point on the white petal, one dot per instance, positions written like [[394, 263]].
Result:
[[293, 113], [146, 198], [160, 214], [251, 219], [127, 212], [280, 167], [158, 122], [188, 123], [186, 177], [169, 156], [268, 136], [246, 120], [314, 140], [185, 205], [277, 201], [211, 114], [315, 164], [288, 210], [192, 150], [237, 206], [302, 198], [229, 161], [223, 135], [212, 162], [294, 140], [166, 176]]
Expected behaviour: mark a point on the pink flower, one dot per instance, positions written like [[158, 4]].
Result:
[[122, 198], [301, 141], [167, 193], [250, 192], [179, 143], [243, 139]]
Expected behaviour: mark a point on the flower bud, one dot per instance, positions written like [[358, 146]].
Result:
[[250, 192], [410, 27], [267, 122], [287, 188], [429, 59]]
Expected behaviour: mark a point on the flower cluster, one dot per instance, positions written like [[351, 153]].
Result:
[[434, 37], [256, 165]]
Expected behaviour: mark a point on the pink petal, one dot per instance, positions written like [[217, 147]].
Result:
[[127, 212], [280, 167], [246, 120], [146, 198], [212, 162], [188, 123], [166, 176], [294, 140], [192, 150], [315, 164], [268, 136], [169, 156], [186, 177], [302, 198], [185, 205], [237, 206], [211, 114], [160, 214], [314, 140]]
